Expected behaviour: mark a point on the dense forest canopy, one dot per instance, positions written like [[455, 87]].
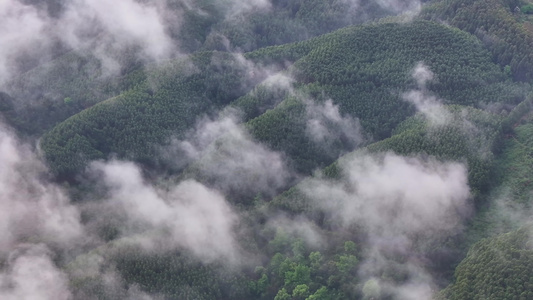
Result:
[[266, 149]]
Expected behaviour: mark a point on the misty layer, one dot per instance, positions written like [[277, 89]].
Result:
[[87, 27], [155, 30], [172, 131], [35, 215]]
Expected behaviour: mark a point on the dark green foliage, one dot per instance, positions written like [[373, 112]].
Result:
[[510, 194], [365, 70], [284, 22], [517, 163], [348, 66], [517, 114], [173, 275], [205, 24], [6, 103], [494, 23], [131, 124], [40, 95], [260, 99], [178, 276], [284, 129], [496, 268]]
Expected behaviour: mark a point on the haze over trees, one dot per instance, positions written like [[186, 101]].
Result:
[[266, 149]]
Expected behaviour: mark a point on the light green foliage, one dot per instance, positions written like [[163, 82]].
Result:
[[298, 274], [259, 287], [349, 247], [346, 263], [298, 249], [300, 292], [280, 242], [315, 259], [320, 294], [527, 9], [282, 295], [308, 274]]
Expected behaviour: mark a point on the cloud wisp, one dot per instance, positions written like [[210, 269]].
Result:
[[326, 125], [427, 104]]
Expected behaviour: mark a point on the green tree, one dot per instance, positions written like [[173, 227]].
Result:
[[282, 295], [300, 292], [321, 294]]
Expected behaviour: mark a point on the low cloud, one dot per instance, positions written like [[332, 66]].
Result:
[[422, 74], [404, 203], [438, 115], [189, 216], [229, 158], [108, 31], [31, 207], [40, 230], [396, 195], [29, 39]]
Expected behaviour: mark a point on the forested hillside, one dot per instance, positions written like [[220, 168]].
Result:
[[345, 66], [266, 149]]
